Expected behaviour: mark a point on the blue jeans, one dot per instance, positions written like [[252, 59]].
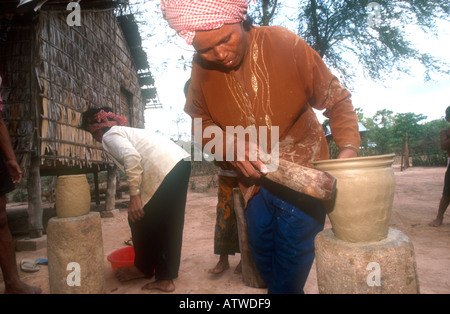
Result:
[[281, 232]]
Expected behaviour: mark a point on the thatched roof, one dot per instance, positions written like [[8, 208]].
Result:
[[128, 24], [68, 70], [133, 38]]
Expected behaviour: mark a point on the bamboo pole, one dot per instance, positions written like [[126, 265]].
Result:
[[250, 273]]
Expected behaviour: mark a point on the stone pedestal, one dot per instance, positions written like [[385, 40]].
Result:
[[383, 267], [75, 255]]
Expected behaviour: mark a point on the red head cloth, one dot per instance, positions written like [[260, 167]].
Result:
[[106, 119], [188, 16]]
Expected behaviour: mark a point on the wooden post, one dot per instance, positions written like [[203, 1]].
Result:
[[403, 153], [35, 211], [97, 194], [111, 189], [406, 151], [250, 273]]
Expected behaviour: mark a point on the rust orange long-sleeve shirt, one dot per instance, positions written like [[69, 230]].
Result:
[[284, 79]]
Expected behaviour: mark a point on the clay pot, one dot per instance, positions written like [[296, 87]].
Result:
[[362, 208], [73, 196]]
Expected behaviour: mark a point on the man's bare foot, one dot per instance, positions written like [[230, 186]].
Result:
[[163, 285], [436, 223], [128, 273], [238, 269], [221, 266], [22, 288]]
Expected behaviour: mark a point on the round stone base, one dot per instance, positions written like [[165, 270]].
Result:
[[75, 255], [383, 267]]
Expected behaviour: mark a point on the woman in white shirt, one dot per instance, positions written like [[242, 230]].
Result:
[[157, 173]]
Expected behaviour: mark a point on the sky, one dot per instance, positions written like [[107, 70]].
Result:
[[404, 93]]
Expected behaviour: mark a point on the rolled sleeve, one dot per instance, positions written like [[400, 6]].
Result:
[[325, 92]]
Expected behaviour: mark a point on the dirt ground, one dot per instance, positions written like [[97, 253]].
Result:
[[416, 200]]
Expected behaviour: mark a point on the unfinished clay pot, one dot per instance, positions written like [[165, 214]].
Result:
[[73, 196], [362, 208]]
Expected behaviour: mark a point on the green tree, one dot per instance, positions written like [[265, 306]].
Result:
[[360, 114], [433, 128], [427, 151], [384, 118], [375, 34], [407, 124], [379, 135], [264, 11]]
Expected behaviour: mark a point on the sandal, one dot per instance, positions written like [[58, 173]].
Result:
[[29, 266]]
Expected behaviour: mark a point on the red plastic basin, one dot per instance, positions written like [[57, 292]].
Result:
[[121, 257]]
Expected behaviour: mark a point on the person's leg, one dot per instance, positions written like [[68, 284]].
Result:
[[147, 235], [8, 263], [139, 269], [444, 202], [222, 265], [295, 231], [226, 240], [175, 206], [281, 238], [169, 205], [144, 260], [443, 205], [13, 284], [260, 223]]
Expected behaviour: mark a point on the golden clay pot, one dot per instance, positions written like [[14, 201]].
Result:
[[73, 196], [362, 208]]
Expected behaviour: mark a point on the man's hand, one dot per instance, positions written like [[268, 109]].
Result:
[[14, 170], [251, 167], [135, 211]]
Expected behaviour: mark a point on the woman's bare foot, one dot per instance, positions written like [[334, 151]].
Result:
[[221, 266], [128, 273], [437, 222], [163, 285], [21, 288]]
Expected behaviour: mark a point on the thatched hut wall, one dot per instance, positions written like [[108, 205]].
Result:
[[52, 72], [81, 67], [67, 70]]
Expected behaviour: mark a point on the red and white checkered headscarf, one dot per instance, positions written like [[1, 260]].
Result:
[[104, 119], [188, 16]]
